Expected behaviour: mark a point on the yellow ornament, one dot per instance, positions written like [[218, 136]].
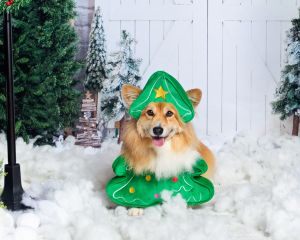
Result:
[[148, 178], [160, 92], [131, 190]]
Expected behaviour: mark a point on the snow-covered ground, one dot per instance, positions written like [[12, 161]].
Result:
[[257, 196]]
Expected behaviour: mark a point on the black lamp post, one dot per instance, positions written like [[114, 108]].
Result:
[[13, 191]]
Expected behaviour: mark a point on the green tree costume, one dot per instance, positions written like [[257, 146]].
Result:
[[131, 190]]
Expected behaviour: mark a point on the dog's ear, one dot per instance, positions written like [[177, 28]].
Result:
[[129, 94], [195, 96]]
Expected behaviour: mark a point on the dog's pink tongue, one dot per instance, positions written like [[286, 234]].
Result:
[[158, 142]]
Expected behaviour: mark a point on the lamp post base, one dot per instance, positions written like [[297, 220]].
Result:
[[13, 191]]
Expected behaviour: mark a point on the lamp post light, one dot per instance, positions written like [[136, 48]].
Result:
[[13, 191]]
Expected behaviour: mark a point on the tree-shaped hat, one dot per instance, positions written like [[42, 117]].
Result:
[[162, 87]]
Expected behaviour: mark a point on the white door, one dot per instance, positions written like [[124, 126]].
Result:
[[246, 55], [169, 36], [232, 49]]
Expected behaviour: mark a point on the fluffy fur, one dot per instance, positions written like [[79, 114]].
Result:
[[180, 148]]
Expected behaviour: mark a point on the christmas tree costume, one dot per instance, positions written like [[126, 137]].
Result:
[[141, 191]]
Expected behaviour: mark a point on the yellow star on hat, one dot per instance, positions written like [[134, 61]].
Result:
[[160, 92]]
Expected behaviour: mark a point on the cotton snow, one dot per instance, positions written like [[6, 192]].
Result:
[[257, 194]]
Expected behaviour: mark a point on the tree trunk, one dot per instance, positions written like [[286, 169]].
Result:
[[95, 97], [295, 125], [121, 130]]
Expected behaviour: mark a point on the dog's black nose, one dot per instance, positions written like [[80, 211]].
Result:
[[158, 131]]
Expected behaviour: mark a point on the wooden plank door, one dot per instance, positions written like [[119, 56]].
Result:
[[245, 58], [232, 49], [171, 36]]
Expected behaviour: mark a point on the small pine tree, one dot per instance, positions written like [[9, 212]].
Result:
[[288, 93], [96, 57], [45, 45], [122, 68]]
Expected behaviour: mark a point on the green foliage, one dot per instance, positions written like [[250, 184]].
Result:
[[15, 6], [45, 45], [288, 92], [96, 57]]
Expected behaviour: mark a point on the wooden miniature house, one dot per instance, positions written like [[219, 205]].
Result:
[[88, 135]]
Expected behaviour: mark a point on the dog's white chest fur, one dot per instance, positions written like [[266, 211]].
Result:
[[169, 163]]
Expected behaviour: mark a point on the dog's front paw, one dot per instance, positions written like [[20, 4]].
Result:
[[135, 212]]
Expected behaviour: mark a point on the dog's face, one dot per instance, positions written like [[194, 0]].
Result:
[[159, 121]]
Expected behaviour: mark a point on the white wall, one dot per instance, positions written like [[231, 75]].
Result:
[[232, 49], [85, 12]]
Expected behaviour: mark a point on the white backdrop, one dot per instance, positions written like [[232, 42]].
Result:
[[232, 49]]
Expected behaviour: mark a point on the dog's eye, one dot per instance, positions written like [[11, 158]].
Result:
[[169, 114], [150, 113]]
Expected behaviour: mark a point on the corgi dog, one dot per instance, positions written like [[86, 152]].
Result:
[[160, 142]]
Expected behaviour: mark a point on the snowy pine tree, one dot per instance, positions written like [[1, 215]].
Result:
[[288, 93], [96, 57], [122, 68]]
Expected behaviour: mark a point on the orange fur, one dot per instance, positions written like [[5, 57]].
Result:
[[137, 142]]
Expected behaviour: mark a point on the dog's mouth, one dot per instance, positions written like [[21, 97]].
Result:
[[158, 141]]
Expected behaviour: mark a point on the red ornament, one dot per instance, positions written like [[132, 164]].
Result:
[[175, 179], [9, 3]]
